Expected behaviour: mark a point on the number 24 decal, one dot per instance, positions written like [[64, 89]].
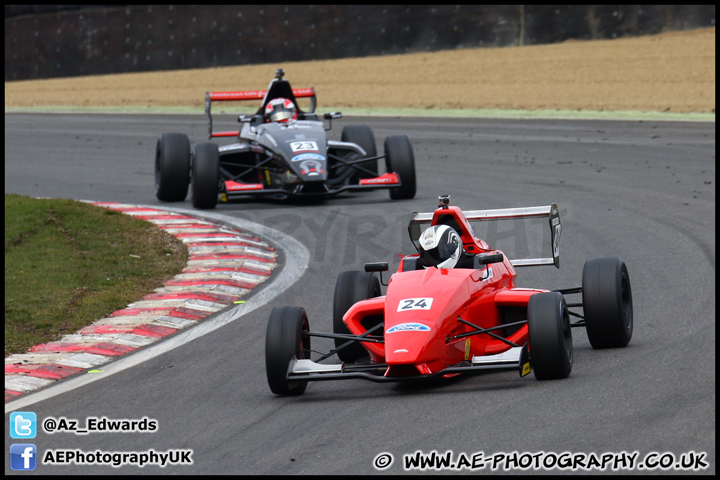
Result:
[[415, 304]]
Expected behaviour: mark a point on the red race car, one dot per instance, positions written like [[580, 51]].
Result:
[[452, 308]]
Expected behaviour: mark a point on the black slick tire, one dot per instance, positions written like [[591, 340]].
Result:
[[284, 341], [350, 288], [399, 158], [205, 175], [551, 349], [607, 302], [172, 167], [363, 136]]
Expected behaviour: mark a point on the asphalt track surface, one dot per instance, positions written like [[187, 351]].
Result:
[[642, 190]]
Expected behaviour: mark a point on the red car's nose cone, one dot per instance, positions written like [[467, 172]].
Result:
[[406, 342]]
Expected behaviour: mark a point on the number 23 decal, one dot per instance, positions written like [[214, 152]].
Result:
[[415, 304], [305, 146]]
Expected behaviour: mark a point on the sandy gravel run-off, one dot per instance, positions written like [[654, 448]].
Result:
[[670, 72]]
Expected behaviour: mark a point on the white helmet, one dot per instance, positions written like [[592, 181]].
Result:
[[280, 110], [440, 246]]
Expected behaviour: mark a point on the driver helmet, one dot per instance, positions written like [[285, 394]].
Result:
[[280, 110], [440, 246]]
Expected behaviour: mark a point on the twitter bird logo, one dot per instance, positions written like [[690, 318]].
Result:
[[23, 425]]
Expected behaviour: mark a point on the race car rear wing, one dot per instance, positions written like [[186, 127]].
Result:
[[420, 221], [249, 95]]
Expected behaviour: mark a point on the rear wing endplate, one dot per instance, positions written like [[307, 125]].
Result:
[[420, 221], [248, 95]]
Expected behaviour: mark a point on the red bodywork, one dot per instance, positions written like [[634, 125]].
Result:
[[422, 308]]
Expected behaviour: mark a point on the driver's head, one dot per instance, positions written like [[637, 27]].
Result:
[[440, 246], [280, 110]]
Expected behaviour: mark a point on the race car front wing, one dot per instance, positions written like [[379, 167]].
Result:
[[233, 189], [516, 358]]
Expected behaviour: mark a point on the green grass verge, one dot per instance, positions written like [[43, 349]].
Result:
[[399, 112], [70, 263]]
